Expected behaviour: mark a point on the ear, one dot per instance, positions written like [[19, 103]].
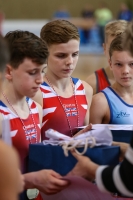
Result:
[[8, 72], [1, 79], [104, 47], [110, 63]]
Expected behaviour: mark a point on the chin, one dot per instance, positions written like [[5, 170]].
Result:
[[66, 76], [30, 95], [126, 85]]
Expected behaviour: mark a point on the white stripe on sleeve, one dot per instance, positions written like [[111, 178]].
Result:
[[119, 184], [99, 179], [129, 155]]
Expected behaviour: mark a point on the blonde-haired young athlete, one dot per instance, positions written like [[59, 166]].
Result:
[[103, 77]]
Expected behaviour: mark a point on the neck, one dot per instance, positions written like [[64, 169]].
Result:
[[60, 83], [14, 97], [122, 91]]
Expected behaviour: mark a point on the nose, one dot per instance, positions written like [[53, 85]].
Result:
[[69, 60], [39, 78], [126, 69]]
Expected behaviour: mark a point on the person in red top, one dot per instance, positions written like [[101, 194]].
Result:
[[11, 182], [65, 100], [103, 77], [23, 77], [53, 111], [32, 126], [102, 80]]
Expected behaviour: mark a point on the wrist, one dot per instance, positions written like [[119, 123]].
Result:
[[92, 170], [30, 180], [115, 143], [30, 185]]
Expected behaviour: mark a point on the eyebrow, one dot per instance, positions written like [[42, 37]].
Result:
[[65, 52], [118, 61], [76, 52], [122, 61], [36, 68]]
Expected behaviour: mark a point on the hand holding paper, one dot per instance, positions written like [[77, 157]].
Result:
[[47, 181], [84, 167], [84, 130]]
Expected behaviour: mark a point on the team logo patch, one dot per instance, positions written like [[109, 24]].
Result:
[[122, 114], [70, 109]]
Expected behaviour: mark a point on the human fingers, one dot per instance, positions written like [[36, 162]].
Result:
[[55, 174], [57, 179], [78, 167], [60, 182], [54, 191], [50, 184], [77, 156], [87, 128]]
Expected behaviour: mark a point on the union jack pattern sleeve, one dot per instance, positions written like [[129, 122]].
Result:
[[117, 179]]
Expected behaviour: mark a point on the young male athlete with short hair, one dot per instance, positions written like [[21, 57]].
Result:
[[23, 76], [103, 77]]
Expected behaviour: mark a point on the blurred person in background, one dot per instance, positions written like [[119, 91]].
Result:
[[61, 13], [103, 15], [86, 13], [125, 13]]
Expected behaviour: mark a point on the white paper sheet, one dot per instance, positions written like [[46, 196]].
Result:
[[111, 126], [102, 136]]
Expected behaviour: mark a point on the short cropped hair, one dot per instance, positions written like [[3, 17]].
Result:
[[117, 44], [128, 39], [115, 28], [4, 54], [59, 31], [24, 44]]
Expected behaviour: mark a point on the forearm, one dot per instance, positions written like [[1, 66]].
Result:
[[118, 179], [92, 171], [121, 144], [104, 179], [30, 180]]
